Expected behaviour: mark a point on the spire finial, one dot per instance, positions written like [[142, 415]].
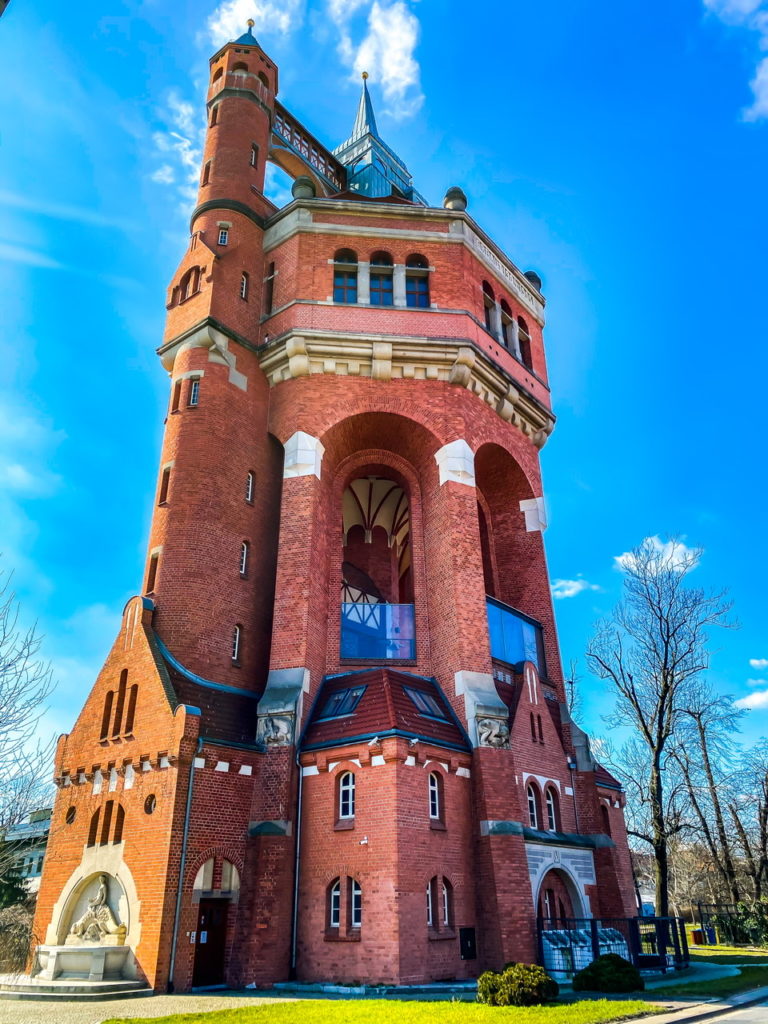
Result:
[[250, 23], [365, 75]]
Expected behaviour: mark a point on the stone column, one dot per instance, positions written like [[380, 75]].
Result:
[[515, 338], [398, 284], [496, 321], [364, 282]]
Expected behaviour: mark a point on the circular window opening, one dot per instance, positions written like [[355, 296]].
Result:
[[71, 813], [150, 803]]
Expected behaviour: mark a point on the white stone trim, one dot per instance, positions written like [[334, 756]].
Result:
[[199, 762], [222, 766], [187, 375], [456, 462], [377, 760], [310, 769], [303, 455], [535, 514], [246, 769], [542, 780], [578, 865], [463, 773], [410, 761]]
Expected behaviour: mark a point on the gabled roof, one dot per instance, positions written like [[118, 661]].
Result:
[[604, 778], [383, 709]]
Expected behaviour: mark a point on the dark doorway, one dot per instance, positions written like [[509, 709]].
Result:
[[209, 944]]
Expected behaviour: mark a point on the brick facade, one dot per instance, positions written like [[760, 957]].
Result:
[[228, 769]]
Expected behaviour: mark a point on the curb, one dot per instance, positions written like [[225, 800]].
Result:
[[705, 1011]]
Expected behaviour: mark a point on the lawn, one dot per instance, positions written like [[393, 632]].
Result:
[[728, 954], [385, 1011], [748, 977]]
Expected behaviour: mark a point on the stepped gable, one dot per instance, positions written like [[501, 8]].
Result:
[[384, 707]]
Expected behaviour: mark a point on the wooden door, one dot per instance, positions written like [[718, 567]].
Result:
[[210, 943]]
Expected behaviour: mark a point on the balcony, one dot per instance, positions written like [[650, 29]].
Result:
[[378, 632], [514, 637]]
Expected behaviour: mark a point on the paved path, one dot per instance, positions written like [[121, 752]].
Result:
[[752, 1015]]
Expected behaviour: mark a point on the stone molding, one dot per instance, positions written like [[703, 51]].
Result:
[[303, 455], [217, 343], [384, 357], [535, 514], [456, 461]]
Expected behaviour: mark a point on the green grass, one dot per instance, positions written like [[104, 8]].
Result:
[[748, 977], [727, 954], [384, 1011]]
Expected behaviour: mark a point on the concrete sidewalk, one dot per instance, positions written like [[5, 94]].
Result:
[[702, 1010]]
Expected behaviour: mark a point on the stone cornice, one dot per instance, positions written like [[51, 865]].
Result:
[[461, 229], [382, 357]]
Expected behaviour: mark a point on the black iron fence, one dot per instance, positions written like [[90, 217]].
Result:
[[729, 924], [566, 945]]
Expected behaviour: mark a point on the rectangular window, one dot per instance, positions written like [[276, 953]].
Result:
[[254, 155], [194, 391], [335, 914], [236, 637], [244, 286], [356, 905], [176, 399], [416, 291], [152, 574], [165, 480], [343, 702], [223, 236], [345, 286], [206, 173], [381, 290], [425, 702], [269, 289]]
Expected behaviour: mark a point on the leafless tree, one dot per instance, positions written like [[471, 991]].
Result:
[[573, 689], [653, 649], [25, 685]]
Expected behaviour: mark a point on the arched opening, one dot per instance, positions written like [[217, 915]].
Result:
[[524, 341], [552, 806], [241, 68], [507, 326], [381, 281], [377, 583], [345, 276], [533, 801], [559, 897], [263, 79], [417, 281], [489, 304], [606, 819]]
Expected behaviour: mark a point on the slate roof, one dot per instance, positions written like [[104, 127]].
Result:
[[384, 709], [604, 778]]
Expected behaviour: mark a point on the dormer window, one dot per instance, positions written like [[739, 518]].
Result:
[[343, 702]]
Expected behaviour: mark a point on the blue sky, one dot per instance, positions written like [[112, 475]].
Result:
[[618, 148]]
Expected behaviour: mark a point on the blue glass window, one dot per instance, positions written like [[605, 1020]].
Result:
[[345, 286], [425, 702], [381, 290], [343, 702]]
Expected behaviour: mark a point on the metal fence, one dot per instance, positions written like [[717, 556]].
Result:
[[728, 923], [566, 945]]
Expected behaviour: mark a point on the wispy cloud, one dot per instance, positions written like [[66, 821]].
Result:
[[751, 15], [754, 701], [757, 682], [180, 146], [571, 588], [61, 211], [758, 663], [230, 19], [672, 553]]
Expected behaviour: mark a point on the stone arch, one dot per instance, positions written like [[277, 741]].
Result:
[[72, 901], [219, 852], [579, 907]]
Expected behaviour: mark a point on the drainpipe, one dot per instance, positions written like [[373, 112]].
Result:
[[571, 768], [296, 866], [182, 865]]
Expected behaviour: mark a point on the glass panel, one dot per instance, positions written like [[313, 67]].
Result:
[[425, 702], [378, 632], [381, 290], [343, 702], [514, 638]]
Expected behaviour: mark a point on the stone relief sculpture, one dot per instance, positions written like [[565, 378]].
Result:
[[492, 732], [98, 924], [275, 731]]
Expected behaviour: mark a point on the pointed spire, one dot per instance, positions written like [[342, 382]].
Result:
[[365, 122], [248, 38]]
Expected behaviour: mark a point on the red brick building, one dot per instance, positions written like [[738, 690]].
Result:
[[331, 740]]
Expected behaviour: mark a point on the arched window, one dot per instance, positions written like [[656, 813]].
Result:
[[355, 904], [430, 909], [263, 79], [447, 908], [217, 74], [117, 727], [214, 115], [244, 558], [435, 796], [345, 276], [204, 877], [606, 817], [540, 730], [130, 716], [249, 482], [381, 279], [533, 727], [489, 304], [230, 877], [347, 795], [417, 281], [189, 285], [93, 829], [106, 824], [524, 340], [241, 68], [334, 903], [507, 326], [552, 810], [117, 836], [237, 636], [106, 716], [533, 811], [244, 286]]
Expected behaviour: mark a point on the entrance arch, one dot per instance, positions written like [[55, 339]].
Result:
[[559, 896]]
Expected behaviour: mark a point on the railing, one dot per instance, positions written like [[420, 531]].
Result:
[[299, 139], [378, 632], [567, 945], [514, 637]]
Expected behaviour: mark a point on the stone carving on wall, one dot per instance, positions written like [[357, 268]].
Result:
[[492, 732], [98, 925], [275, 730]]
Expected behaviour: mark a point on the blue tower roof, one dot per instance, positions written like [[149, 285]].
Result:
[[373, 168], [248, 38]]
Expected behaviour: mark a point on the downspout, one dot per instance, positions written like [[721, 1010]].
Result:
[[296, 866], [182, 865], [571, 767]]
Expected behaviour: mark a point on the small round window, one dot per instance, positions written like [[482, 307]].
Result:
[[71, 815], [150, 803]]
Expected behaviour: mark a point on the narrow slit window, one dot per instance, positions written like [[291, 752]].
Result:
[[269, 290], [131, 713], [356, 904], [176, 399], [533, 816], [244, 286], [244, 558], [237, 636], [249, 481], [165, 481], [334, 910], [106, 717], [194, 391], [107, 822], [93, 829], [254, 158], [434, 796], [117, 836], [206, 173], [430, 909], [152, 573], [214, 115], [447, 908], [117, 728], [551, 810]]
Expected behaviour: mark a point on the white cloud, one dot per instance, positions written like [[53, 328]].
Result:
[[164, 175], [753, 702], [758, 663], [182, 143], [387, 54], [757, 682], [673, 553], [11, 253], [751, 15], [63, 212], [570, 588], [230, 19]]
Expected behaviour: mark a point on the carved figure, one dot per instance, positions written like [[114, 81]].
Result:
[[98, 921], [274, 731], [492, 732]]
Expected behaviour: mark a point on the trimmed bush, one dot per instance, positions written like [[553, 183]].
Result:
[[609, 973], [517, 985]]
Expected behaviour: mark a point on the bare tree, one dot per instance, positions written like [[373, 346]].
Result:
[[653, 649], [25, 684], [573, 689]]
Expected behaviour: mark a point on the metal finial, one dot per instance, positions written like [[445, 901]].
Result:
[[250, 23], [365, 75]]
